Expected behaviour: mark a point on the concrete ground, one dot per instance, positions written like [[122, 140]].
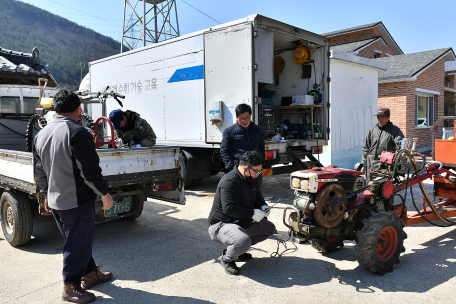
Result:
[[166, 256]]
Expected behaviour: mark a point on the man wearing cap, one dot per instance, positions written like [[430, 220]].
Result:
[[133, 130], [382, 137]]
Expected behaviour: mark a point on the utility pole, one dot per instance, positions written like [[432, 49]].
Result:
[[157, 20]]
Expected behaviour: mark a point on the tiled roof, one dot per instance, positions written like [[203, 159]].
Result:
[[351, 47], [408, 65], [352, 29], [25, 63]]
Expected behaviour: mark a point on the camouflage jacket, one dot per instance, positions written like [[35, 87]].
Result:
[[142, 133]]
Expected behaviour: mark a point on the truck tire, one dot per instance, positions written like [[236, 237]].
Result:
[[380, 242], [138, 203], [196, 182], [183, 171], [16, 217]]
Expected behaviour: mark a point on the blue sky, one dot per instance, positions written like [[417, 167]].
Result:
[[416, 25]]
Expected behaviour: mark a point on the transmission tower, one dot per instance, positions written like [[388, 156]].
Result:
[[148, 21]]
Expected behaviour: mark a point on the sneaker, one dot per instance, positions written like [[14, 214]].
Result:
[[230, 267], [95, 277], [244, 257], [75, 294]]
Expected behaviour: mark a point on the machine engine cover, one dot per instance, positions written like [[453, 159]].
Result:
[[326, 213], [312, 180]]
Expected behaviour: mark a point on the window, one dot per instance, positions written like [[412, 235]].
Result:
[[10, 105], [424, 111], [30, 104]]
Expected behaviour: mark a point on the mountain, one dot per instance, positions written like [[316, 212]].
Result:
[[63, 44]]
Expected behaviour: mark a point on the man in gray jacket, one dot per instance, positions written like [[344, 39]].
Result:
[[67, 170], [384, 136], [237, 218]]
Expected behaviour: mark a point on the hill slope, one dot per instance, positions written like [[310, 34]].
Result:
[[62, 43]]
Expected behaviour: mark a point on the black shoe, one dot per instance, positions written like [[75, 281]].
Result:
[[230, 267], [244, 257]]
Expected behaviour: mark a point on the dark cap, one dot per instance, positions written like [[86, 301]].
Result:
[[383, 112], [115, 117]]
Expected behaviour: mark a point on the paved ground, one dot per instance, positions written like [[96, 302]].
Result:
[[166, 256]]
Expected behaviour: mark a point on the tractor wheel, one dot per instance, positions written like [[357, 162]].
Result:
[[380, 242], [327, 245], [16, 217], [35, 124]]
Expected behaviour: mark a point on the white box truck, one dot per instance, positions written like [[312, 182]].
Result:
[[188, 87]]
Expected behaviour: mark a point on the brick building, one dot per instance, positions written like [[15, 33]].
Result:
[[450, 94], [414, 87]]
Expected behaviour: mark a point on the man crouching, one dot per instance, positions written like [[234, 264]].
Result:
[[237, 217]]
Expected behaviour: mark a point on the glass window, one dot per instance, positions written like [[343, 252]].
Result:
[[10, 105], [30, 104], [424, 111]]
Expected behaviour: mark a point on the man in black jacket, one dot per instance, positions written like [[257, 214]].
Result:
[[384, 136], [237, 218], [241, 137], [66, 168]]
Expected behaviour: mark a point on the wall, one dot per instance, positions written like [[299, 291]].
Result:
[[400, 98], [353, 103]]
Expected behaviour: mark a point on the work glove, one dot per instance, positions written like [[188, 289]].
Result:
[[266, 209], [258, 215]]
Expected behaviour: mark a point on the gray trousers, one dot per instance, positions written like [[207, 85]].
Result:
[[237, 239]]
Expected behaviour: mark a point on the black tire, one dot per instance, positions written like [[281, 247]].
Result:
[[183, 171], [16, 217], [380, 242], [36, 122], [327, 245], [138, 205], [197, 182]]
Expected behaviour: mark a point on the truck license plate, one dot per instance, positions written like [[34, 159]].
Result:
[[119, 207]]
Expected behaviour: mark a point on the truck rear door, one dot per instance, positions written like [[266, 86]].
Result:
[[228, 70]]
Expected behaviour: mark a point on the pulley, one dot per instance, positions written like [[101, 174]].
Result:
[[329, 213]]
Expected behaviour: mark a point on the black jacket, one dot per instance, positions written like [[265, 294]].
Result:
[[237, 140], [378, 140], [66, 164], [235, 199]]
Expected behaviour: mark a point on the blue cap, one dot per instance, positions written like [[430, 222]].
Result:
[[115, 117]]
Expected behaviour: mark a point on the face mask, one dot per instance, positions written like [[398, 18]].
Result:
[[248, 178]]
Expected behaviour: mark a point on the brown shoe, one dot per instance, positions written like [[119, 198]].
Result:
[[75, 294], [95, 277]]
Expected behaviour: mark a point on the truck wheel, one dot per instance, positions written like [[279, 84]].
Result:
[[196, 182], [380, 242], [327, 245], [16, 217], [138, 205], [183, 171]]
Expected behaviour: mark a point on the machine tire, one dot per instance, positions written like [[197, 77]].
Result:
[[29, 134], [380, 242], [183, 171], [327, 245], [138, 206], [16, 217]]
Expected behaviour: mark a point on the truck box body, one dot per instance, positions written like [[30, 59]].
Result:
[[181, 85]]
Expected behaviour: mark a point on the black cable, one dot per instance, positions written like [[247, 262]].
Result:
[[201, 12], [12, 130]]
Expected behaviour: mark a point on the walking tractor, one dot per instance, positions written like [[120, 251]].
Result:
[[333, 204]]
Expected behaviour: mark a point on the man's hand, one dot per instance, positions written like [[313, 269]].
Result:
[[107, 201], [258, 215], [266, 209], [46, 205]]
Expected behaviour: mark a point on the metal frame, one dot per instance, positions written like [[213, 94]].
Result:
[[163, 20]]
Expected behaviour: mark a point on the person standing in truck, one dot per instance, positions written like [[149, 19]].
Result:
[[133, 130], [242, 136], [384, 136], [67, 171]]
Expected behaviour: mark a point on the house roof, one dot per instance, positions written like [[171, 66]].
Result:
[[15, 64], [355, 46], [381, 27], [407, 66]]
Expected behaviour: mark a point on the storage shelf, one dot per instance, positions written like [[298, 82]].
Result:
[[297, 107]]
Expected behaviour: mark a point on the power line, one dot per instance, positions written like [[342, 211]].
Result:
[[198, 11], [84, 12]]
